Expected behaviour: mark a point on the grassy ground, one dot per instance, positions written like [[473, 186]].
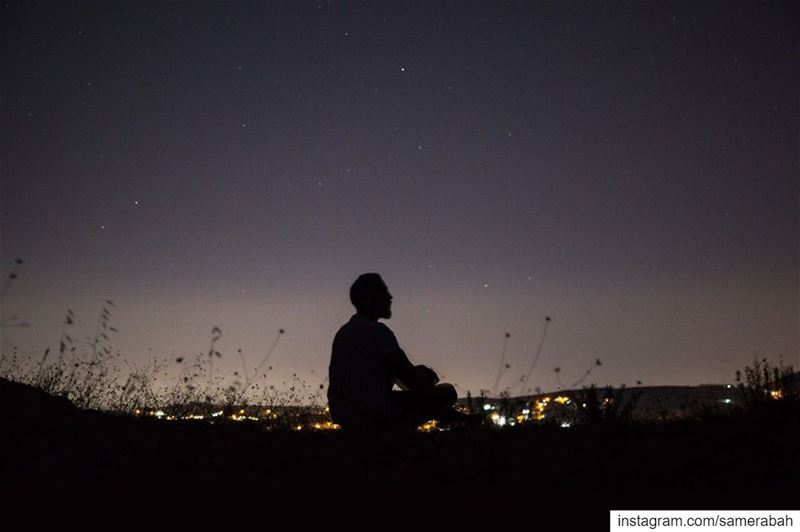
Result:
[[731, 462]]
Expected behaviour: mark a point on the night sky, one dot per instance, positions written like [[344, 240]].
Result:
[[630, 170]]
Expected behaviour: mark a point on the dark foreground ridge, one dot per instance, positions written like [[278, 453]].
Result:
[[722, 462]]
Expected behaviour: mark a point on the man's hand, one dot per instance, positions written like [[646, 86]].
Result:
[[426, 375], [408, 376]]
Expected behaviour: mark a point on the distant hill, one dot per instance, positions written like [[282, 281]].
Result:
[[653, 402]]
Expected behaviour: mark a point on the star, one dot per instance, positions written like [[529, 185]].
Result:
[[136, 202], [402, 69]]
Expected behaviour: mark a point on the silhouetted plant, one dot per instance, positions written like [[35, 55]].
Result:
[[768, 388], [503, 365], [610, 405], [538, 353], [257, 372], [12, 276], [597, 363], [11, 321], [557, 370], [216, 334]]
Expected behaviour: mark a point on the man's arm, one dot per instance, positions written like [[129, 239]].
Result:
[[408, 375], [403, 372]]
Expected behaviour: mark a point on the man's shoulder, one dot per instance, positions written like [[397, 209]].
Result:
[[357, 320], [361, 325], [356, 324], [386, 334]]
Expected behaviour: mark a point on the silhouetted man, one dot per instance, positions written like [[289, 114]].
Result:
[[367, 361]]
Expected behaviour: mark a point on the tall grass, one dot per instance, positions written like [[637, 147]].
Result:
[[93, 376], [769, 389]]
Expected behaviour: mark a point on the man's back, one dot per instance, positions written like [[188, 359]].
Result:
[[360, 373]]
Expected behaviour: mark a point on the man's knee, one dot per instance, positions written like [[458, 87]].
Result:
[[447, 393]]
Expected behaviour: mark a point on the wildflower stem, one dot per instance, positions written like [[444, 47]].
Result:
[[502, 368], [537, 355]]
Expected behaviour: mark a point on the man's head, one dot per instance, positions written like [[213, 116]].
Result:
[[371, 297]]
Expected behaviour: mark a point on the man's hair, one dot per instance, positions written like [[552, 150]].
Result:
[[365, 288]]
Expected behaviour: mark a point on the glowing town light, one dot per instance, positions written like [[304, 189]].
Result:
[[428, 426], [327, 425], [566, 425], [217, 414], [776, 394], [561, 399], [487, 407]]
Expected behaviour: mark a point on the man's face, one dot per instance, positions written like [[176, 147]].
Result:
[[383, 304]]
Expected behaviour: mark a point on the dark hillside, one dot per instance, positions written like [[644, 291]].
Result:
[[691, 464]]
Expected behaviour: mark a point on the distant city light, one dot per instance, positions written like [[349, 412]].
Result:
[[563, 408]]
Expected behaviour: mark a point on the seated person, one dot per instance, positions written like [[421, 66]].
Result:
[[366, 361]]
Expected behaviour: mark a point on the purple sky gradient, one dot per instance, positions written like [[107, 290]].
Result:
[[630, 170]]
